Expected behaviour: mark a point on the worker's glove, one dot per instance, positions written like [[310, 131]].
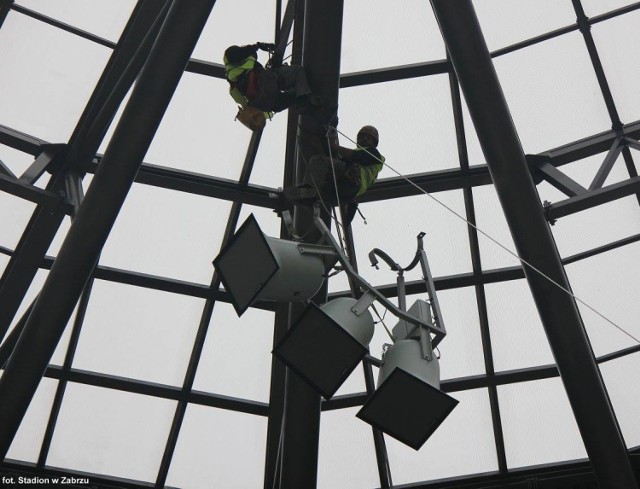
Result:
[[266, 46]]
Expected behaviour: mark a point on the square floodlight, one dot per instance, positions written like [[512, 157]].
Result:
[[407, 408], [246, 264], [320, 351]]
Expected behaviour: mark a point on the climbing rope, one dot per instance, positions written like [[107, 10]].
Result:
[[514, 254]]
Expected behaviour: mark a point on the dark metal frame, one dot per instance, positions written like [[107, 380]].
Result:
[[113, 85]]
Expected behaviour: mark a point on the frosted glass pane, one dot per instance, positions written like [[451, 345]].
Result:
[[491, 222], [346, 455], [421, 138], [552, 92], [50, 75], [609, 283], [111, 432], [463, 444], [393, 226], [236, 360], [615, 40], [28, 440], [384, 44], [620, 377], [177, 234], [104, 18], [269, 164], [533, 413], [597, 226], [595, 7], [14, 216], [15, 160], [517, 336], [198, 133], [221, 30], [505, 23], [139, 333], [219, 448], [461, 349]]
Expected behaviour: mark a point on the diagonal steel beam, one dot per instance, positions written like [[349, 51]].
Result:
[[99, 210], [520, 202], [559, 180], [607, 165], [593, 198]]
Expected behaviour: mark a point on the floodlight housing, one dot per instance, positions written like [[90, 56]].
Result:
[[408, 404], [253, 266], [326, 344]]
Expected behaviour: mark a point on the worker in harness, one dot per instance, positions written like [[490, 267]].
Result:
[[355, 171], [270, 89]]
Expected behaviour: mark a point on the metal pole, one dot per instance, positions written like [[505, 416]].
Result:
[[535, 244], [321, 59], [98, 212]]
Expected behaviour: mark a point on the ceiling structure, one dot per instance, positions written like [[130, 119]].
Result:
[[136, 372]]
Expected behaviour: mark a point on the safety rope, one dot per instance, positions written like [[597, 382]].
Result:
[[521, 260]]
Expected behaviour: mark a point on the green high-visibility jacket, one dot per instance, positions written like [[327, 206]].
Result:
[[369, 165]]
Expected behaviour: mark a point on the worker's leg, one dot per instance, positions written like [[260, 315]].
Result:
[[292, 78]]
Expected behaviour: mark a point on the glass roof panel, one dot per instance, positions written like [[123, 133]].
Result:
[[138, 333], [111, 432], [616, 40], [49, 92], [218, 448], [609, 283], [393, 226], [594, 7], [14, 215], [269, 164], [597, 226], [517, 336], [466, 435], [15, 160], [223, 369], [491, 221], [418, 41], [105, 18], [346, 455], [236, 22], [197, 129], [461, 350], [533, 414], [177, 234], [506, 23], [416, 132], [26, 444], [552, 92], [620, 377]]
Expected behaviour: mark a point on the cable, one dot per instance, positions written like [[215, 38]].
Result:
[[521, 260], [382, 321]]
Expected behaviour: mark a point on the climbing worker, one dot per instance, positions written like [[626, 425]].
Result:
[[355, 171], [270, 89]]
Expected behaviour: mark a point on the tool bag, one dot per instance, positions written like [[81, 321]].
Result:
[[251, 117]]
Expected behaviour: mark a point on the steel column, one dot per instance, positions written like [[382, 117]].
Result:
[[534, 242], [321, 59], [99, 210]]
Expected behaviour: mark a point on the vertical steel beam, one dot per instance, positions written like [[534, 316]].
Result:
[[534, 242], [321, 59], [476, 263], [99, 210], [273, 451]]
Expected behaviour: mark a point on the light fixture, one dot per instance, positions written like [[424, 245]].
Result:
[[327, 343], [254, 267], [408, 403]]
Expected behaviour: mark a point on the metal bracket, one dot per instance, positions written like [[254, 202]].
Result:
[[363, 303]]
